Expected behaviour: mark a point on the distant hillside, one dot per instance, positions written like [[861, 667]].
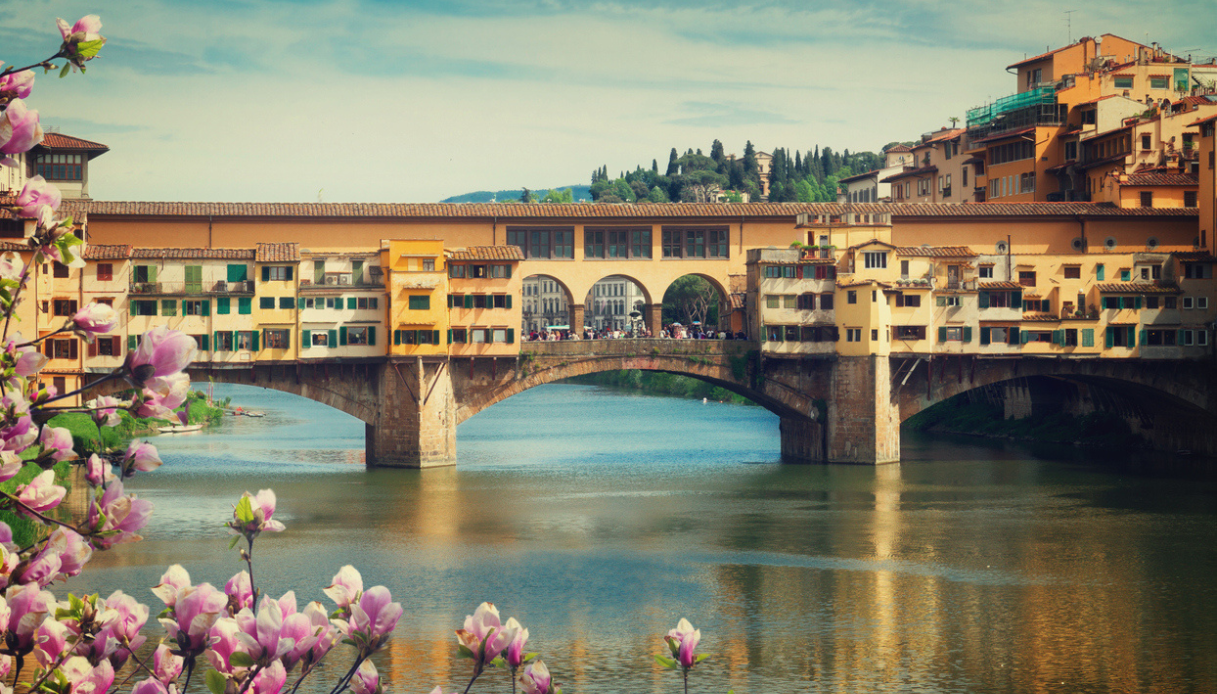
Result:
[[580, 192]]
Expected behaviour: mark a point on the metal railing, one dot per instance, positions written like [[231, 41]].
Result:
[[193, 288]]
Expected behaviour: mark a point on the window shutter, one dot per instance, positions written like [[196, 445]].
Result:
[[942, 334], [265, 273], [206, 307], [342, 335], [941, 301], [1016, 299], [511, 333], [507, 269], [350, 302], [1056, 337], [73, 352], [151, 273], [289, 273], [333, 337], [253, 340], [397, 337], [1138, 303], [1111, 341], [508, 301], [899, 299], [449, 335], [245, 305], [1099, 273], [1088, 337], [1014, 337], [1130, 335], [985, 335], [205, 342], [168, 307], [982, 298], [300, 304], [306, 339], [92, 349], [131, 343], [219, 343], [223, 306], [468, 301], [237, 273], [798, 272], [371, 334], [1024, 338], [435, 337], [1179, 337]]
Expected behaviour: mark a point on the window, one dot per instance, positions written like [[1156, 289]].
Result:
[[500, 271], [772, 271], [500, 301], [61, 167], [276, 273], [277, 339], [1159, 82], [1014, 151], [543, 242], [1123, 82], [105, 271], [874, 259], [1202, 302], [1147, 198], [1146, 142], [904, 269], [143, 307], [192, 308], [826, 302], [456, 270], [807, 302], [459, 336], [428, 265], [61, 271], [853, 334], [1027, 182], [318, 338], [266, 302], [1026, 278], [947, 301], [851, 297], [790, 301], [912, 300], [168, 307], [1073, 272], [367, 302], [1161, 337], [63, 349], [985, 272], [772, 301], [420, 302], [1197, 271], [700, 242], [357, 336], [1189, 198], [286, 302], [64, 307], [640, 243], [874, 335], [910, 332]]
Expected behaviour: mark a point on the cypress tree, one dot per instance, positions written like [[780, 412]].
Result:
[[672, 163]]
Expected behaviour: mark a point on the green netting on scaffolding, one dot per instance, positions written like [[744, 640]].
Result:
[[982, 115]]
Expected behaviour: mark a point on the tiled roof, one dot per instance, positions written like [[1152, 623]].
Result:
[[1136, 288], [7, 246], [739, 300], [1004, 136], [1000, 285], [194, 253], [937, 251], [107, 252], [899, 148], [1098, 99], [1162, 179], [944, 134], [1040, 317], [1196, 256], [577, 211], [864, 283], [1041, 56], [1202, 121], [61, 141], [870, 242], [278, 253], [910, 173], [1201, 100], [486, 253], [858, 177], [1119, 158]]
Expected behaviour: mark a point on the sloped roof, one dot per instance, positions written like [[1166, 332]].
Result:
[[93, 252], [1137, 288], [912, 173], [278, 253], [194, 253], [864, 283], [1001, 285], [1160, 178], [61, 141], [937, 251], [486, 253], [899, 148]]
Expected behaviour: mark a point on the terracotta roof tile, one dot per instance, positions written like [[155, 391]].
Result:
[[910, 173], [1042, 317], [107, 252], [1202, 121], [1001, 285], [1005, 135], [1196, 256], [937, 252], [278, 253], [61, 141], [1136, 288], [578, 211], [1041, 56], [865, 283], [899, 148], [486, 253], [194, 253], [739, 300], [1162, 179], [7, 246]]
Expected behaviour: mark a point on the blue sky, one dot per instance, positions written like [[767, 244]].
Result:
[[372, 100]]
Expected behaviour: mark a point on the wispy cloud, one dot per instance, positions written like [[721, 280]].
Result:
[[726, 114]]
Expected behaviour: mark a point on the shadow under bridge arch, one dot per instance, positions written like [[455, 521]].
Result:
[[351, 387]]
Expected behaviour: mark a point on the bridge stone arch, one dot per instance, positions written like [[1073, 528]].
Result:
[[724, 296], [348, 387]]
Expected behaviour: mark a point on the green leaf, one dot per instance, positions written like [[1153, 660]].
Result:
[[215, 682], [462, 651], [233, 542], [67, 67], [244, 511], [701, 657], [529, 657], [89, 49], [498, 662], [665, 661], [240, 659]]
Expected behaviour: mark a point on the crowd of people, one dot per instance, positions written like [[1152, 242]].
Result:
[[675, 331]]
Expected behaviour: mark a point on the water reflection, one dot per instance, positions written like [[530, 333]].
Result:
[[968, 568]]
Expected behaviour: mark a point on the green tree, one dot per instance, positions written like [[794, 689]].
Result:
[[658, 195], [691, 299], [526, 196], [672, 166]]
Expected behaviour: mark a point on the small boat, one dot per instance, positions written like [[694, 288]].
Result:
[[179, 429], [253, 414]]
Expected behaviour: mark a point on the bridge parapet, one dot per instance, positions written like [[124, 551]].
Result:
[[637, 347]]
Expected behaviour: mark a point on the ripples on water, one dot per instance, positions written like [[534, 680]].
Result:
[[599, 519]]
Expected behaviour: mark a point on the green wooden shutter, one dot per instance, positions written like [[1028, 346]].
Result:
[[253, 341], [223, 305], [1025, 337], [205, 342], [1088, 337], [333, 338], [206, 307], [397, 337], [238, 273], [1125, 275], [508, 301], [194, 279], [1130, 335], [306, 339], [350, 302], [151, 273], [1016, 299], [1057, 337], [342, 334], [435, 337], [982, 298], [1137, 302], [967, 333], [300, 304], [1100, 272], [1014, 336], [232, 340], [508, 269], [941, 301], [131, 343], [245, 305], [265, 273], [449, 335], [1179, 337], [1111, 338], [371, 334], [289, 273], [942, 334], [986, 335], [468, 301]]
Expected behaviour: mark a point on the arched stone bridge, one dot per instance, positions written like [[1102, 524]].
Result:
[[832, 408]]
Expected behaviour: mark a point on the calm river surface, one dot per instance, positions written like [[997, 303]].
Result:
[[599, 519]]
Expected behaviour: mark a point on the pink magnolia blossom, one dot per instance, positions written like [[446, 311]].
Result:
[[10, 465], [5, 615], [322, 628], [19, 128], [125, 514], [161, 352], [484, 635], [150, 686], [57, 442], [346, 587], [166, 667], [19, 435], [515, 650], [35, 195], [270, 680], [65, 553], [373, 619], [536, 679], [141, 456], [162, 395], [84, 30], [50, 642], [224, 639], [9, 559], [122, 621], [240, 591], [41, 494], [98, 471], [366, 679], [105, 410], [683, 641], [28, 605], [95, 319], [6, 666], [85, 678], [27, 360], [18, 83], [261, 510], [195, 611], [174, 583]]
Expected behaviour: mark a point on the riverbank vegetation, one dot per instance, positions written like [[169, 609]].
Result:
[[660, 383], [85, 436], [959, 415]]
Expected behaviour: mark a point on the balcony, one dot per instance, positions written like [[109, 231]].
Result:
[[192, 288], [334, 280]]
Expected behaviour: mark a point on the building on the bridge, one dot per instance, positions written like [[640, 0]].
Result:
[[484, 301], [417, 283], [791, 296], [1207, 183], [277, 273], [342, 304]]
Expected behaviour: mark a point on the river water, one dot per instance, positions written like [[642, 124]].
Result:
[[599, 519]]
